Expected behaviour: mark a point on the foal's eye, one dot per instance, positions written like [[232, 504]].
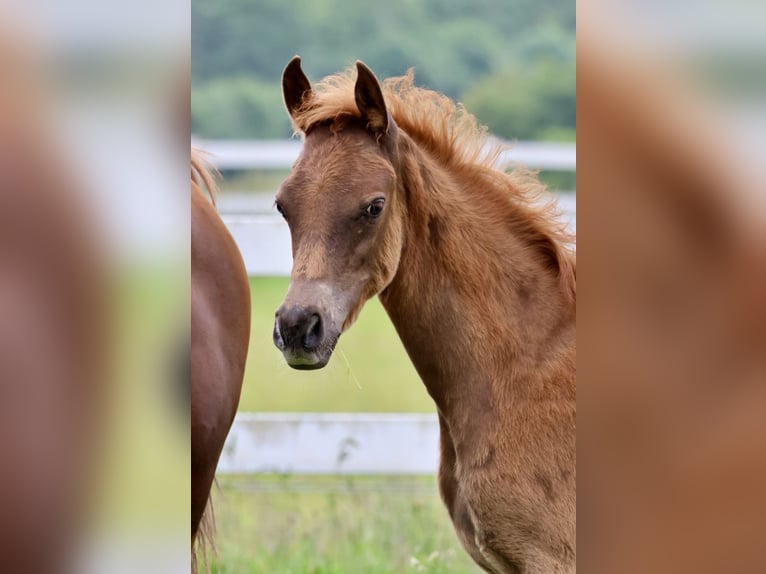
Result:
[[375, 208], [279, 208]]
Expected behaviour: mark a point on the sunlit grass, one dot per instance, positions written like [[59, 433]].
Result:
[[335, 525]]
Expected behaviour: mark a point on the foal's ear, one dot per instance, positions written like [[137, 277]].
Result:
[[369, 100], [295, 86]]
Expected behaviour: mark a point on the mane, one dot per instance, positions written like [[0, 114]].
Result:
[[203, 173], [454, 138]]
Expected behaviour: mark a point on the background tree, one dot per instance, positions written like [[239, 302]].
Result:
[[512, 62]]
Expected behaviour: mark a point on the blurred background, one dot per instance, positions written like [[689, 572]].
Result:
[[672, 293], [482, 53], [334, 470], [94, 268]]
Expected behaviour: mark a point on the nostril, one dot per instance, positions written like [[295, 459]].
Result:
[[277, 335], [313, 333]]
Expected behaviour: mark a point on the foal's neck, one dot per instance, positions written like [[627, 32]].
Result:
[[476, 311]]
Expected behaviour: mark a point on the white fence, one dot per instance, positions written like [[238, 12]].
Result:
[[332, 443], [281, 154]]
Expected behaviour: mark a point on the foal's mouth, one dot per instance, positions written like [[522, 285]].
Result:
[[304, 363], [303, 360]]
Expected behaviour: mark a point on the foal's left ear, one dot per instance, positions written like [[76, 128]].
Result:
[[369, 100]]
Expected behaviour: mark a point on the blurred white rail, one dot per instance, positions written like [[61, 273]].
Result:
[[280, 154], [332, 443]]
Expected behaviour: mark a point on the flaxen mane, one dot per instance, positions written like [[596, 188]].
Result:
[[202, 173], [453, 137]]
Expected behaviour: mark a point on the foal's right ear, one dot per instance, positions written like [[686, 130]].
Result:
[[370, 101], [295, 86]]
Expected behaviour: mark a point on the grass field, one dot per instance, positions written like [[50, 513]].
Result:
[[334, 525], [369, 371]]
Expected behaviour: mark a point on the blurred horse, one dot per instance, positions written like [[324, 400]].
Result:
[[55, 328], [674, 319], [396, 194], [220, 332]]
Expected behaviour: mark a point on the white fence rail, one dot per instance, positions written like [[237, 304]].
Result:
[[332, 443], [281, 154]]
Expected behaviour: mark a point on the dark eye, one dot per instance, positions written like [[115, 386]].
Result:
[[279, 208], [375, 208]]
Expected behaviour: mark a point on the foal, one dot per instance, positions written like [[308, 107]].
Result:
[[395, 195]]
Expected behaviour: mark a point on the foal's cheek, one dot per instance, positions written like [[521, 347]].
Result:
[[359, 257]]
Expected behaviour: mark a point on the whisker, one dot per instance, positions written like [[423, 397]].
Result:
[[348, 367]]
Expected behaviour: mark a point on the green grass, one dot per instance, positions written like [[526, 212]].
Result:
[[369, 370], [334, 525]]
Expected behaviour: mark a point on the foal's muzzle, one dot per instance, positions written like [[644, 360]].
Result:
[[299, 332]]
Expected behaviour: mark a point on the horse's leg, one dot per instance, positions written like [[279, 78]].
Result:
[[531, 561], [457, 507], [540, 562], [507, 545]]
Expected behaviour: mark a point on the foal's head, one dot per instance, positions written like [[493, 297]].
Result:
[[345, 218]]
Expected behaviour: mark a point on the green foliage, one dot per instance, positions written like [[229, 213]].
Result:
[[512, 59], [526, 103], [239, 107], [532, 97]]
